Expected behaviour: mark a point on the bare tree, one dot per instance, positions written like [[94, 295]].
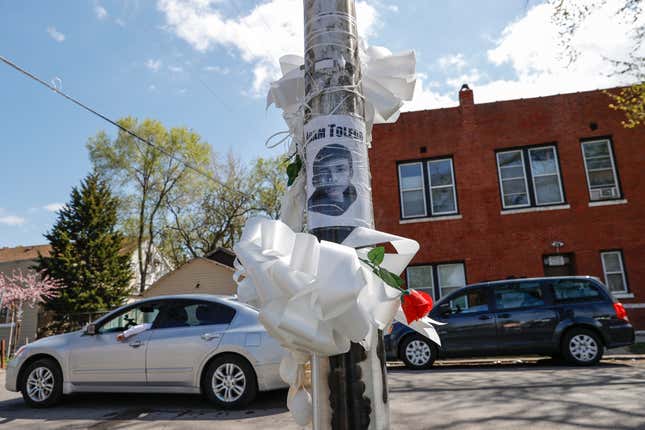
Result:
[[571, 16], [199, 224]]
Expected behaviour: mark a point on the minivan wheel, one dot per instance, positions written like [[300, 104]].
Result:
[[417, 352], [42, 384], [230, 382], [582, 347]]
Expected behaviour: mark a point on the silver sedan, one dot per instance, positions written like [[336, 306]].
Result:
[[205, 344]]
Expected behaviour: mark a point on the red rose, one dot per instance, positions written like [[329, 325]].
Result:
[[416, 305]]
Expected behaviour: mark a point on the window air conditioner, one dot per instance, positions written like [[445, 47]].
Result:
[[604, 193]]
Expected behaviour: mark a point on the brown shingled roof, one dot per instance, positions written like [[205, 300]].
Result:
[[23, 253]]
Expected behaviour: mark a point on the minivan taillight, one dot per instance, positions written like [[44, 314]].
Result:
[[621, 313]]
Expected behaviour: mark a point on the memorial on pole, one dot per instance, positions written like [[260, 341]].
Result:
[[339, 199], [324, 286]]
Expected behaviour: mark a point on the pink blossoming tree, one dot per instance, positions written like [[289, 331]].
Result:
[[28, 288]]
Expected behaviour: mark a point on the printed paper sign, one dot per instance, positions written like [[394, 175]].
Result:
[[338, 182]]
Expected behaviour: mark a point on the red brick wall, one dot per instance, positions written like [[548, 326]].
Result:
[[496, 246]]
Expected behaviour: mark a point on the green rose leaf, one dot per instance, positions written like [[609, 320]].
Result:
[[390, 278], [376, 255], [293, 169]]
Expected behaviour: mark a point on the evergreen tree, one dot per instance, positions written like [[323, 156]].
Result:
[[85, 254]]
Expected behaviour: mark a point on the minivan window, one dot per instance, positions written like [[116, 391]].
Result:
[[471, 301], [518, 295], [575, 289]]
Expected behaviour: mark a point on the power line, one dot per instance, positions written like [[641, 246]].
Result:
[[119, 126]]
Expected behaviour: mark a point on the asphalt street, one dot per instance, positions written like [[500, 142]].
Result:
[[533, 395]]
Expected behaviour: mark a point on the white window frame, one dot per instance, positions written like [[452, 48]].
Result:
[[434, 269], [622, 270], [614, 171], [452, 185], [431, 267], [423, 191], [557, 173], [501, 185], [441, 287]]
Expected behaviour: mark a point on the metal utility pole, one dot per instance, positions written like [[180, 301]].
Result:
[[350, 390]]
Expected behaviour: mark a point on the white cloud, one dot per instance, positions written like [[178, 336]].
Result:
[[473, 76], [100, 11], [530, 47], [272, 29], [10, 219], [119, 22], [539, 65], [152, 88], [153, 65], [425, 98], [176, 69], [55, 34], [218, 69], [393, 8], [54, 207], [456, 61]]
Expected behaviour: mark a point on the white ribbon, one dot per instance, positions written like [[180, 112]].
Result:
[[387, 80], [317, 297]]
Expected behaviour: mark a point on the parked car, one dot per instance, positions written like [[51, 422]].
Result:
[[205, 344], [571, 317]]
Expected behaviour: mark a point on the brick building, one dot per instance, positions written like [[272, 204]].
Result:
[[533, 187]]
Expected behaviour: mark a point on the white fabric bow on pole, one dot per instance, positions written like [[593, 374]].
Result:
[[317, 297], [387, 80]]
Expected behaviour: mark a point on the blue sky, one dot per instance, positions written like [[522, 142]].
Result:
[[206, 64]]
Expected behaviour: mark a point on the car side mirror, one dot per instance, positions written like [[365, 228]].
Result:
[[444, 309], [90, 330]]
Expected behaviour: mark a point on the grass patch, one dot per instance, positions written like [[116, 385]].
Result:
[[637, 348]]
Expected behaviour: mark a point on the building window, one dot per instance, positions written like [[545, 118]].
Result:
[[427, 188], [602, 178], [451, 277], [529, 177], [446, 277], [614, 270], [443, 197], [5, 316], [413, 198], [421, 278]]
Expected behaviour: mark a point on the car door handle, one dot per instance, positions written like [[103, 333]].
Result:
[[211, 336], [484, 317], [504, 315], [136, 344]]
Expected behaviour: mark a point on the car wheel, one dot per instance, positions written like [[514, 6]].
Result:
[[582, 347], [230, 382], [42, 384], [418, 352]]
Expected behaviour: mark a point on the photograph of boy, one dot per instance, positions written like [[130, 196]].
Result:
[[332, 174]]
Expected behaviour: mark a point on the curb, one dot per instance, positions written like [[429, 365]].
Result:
[[516, 360]]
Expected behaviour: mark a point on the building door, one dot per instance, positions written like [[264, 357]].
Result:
[[559, 265]]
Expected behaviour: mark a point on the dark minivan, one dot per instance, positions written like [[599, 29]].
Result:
[[570, 317]]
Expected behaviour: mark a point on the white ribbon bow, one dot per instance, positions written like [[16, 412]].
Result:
[[317, 297], [387, 80]]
